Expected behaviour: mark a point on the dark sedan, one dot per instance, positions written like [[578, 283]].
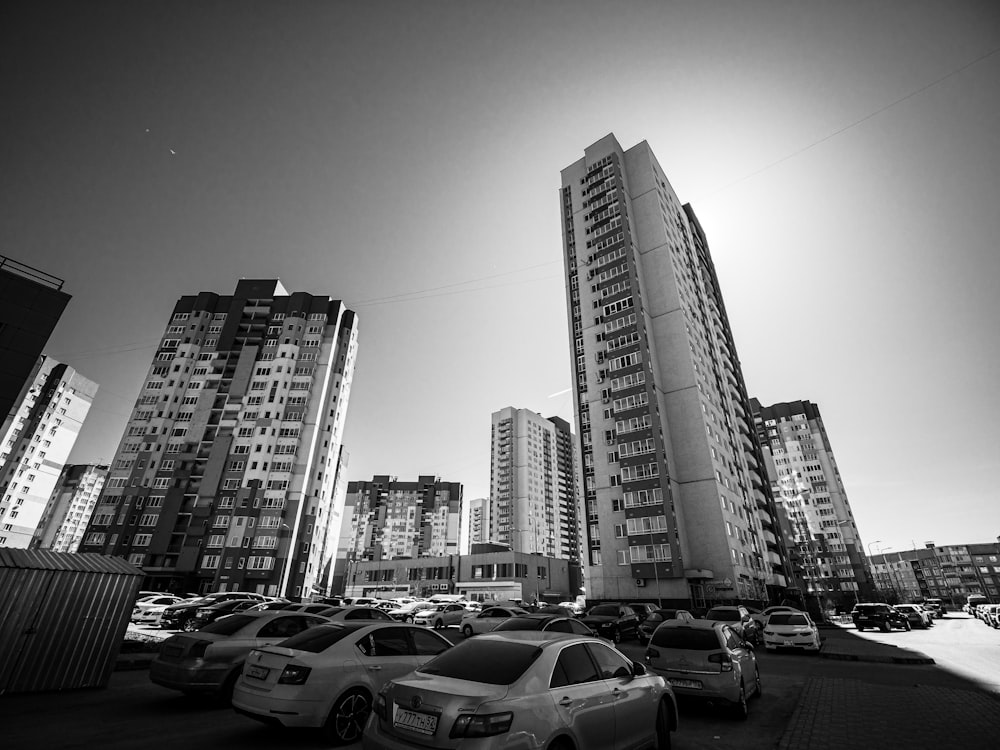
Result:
[[612, 621]]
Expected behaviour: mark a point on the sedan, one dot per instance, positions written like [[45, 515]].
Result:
[[554, 623], [406, 612], [442, 616], [212, 612], [917, 615], [524, 689], [612, 621], [326, 676], [150, 602], [210, 660], [706, 659], [791, 630], [474, 623]]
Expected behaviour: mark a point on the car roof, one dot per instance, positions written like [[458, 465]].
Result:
[[694, 624], [540, 638]]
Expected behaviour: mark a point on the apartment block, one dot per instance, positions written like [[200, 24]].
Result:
[[68, 511], [31, 303], [948, 572], [534, 495], [479, 521], [825, 547], [36, 442], [226, 476], [676, 506]]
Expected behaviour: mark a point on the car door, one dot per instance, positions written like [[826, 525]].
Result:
[[744, 657], [628, 622], [386, 653], [426, 645], [453, 614], [635, 715], [581, 699], [486, 620]]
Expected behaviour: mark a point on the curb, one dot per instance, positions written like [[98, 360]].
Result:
[[917, 658]]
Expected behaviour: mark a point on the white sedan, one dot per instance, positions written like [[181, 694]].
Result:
[[474, 623], [791, 630], [326, 676]]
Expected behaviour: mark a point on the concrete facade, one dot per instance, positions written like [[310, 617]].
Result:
[[948, 572], [69, 508], [676, 507], [227, 475]]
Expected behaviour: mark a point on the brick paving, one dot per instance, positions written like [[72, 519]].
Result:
[[836, 713]]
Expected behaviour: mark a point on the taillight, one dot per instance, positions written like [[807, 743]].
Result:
[[482, 726], [378, 707], [723, 660], [198, 648], [294, 675]]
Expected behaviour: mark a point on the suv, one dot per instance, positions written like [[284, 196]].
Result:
[[881, 616], [182, 616], [738, 618]]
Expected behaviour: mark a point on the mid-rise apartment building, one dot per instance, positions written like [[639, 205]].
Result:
[[676, 505], [70, 506], [478, 511], [824, 544], [226, 476], [948, 572], [36, 442], [533, 489]]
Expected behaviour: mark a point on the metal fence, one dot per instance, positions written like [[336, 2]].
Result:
[[63, 617]]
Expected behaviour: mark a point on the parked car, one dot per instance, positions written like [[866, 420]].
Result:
[[559, 690], [327, 676], [212, 612], [937, 606], [761, 617], [150, 616], [442, 616], [474, 623], [738, 618], [642, 609], [990, 614], [181, 616], [651, 623], [555, 623], [612, 621], [791, 630], [578, 609], [272, 606], [881, 616], [706, 659], [160, 601], [554, 609], [350, 613], [917, 615], [406, 612], [210, 660]]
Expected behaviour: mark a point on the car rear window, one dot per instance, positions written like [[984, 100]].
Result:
[[490, 662], [787, 620], [319, 638], [688, 639], [723, 615], [520, 623], [228, 625], [604, 610]]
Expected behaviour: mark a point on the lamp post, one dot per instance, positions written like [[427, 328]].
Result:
[[656, 572], [871, 565]]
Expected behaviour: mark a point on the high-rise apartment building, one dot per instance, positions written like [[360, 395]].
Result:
[[533, 487], [37, 439], [225, 478], [824, 545], [676, 505], [478, 521], [31, 303], [69, 508]]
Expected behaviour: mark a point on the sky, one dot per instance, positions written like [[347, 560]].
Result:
[[842, 157]]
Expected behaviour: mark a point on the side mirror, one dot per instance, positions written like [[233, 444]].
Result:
[[748, 646], [638, 670]]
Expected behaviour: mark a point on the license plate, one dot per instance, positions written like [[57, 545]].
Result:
[[415, 721], [692, 684], [788, 643], [258, 673]]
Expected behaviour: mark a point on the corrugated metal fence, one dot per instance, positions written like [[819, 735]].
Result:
[[63, 617]]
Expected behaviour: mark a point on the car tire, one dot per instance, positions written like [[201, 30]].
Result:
[[740, 709], [189, 625], [662, 727], [616, 636], [885, 627], [438, 624], [408, 618], [906, 625], [467, 631], [758, 688], [348, 717]]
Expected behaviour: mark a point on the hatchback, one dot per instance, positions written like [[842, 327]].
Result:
[[791, 630], [326, 676], [210, 660], [651, 623], [524, 689], [705, 659]]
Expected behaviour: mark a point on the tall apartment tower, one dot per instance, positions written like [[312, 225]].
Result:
[[675, 502], [825, 547], [31, 303], [69, 508], [386, 519], [35, 444], [479, 521], [533, 487], [225, 478]]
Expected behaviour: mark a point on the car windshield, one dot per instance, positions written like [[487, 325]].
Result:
[[520, 623], [788, 620], [490, 662], [688, 639], [320, 638], [604, 610], [228, 625], [724, 615]]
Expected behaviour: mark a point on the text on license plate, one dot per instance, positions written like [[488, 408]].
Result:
[[258, 673], [415, 721], [693, 684]]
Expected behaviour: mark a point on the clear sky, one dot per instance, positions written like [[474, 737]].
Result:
[[843, 158]]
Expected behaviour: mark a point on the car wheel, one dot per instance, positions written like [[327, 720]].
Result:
[[438, 624], [758, 689], [189, 625], [347, 719], [859, 628], [662, 727], [906, 625], [408, 618], [467, 631], [884, 627], [740, 709], [616, 636]]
